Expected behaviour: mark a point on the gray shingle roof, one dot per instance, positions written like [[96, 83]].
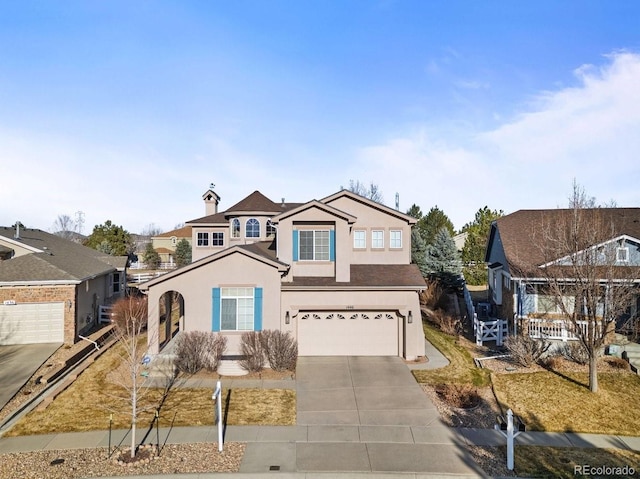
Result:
[[395, 276], [59, 259]]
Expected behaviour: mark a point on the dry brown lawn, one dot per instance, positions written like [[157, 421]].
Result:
[[561, 462], [562, 401], [96, 397]]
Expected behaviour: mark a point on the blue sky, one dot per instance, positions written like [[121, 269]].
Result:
[[128, 110]]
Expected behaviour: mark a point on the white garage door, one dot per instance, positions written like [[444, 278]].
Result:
[[26, 323], [348, 333]]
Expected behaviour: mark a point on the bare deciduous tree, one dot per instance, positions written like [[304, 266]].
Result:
[[130, 321], [64, 226], [372, 191], [588, 273]]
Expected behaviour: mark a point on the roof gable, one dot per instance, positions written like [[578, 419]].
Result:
[[261, 251], [366, 201], [317, 205]]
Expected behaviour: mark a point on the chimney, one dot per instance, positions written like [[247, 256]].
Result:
[[17, 235], [211, 200]]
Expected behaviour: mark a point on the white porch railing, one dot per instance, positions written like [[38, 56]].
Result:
[[142, 277], [556, 329]]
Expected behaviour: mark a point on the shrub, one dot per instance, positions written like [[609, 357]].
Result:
[[458, 395], [574, 351], [253, 352], [618, 363], [196, 350], [281, 349], [553, 362], [525, 350], [446, 323]]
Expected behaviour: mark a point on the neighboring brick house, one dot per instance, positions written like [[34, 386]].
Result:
[[51, 288], [336, 273]]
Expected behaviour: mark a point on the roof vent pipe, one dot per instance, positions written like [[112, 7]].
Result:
[[283, 202], [17, 235]]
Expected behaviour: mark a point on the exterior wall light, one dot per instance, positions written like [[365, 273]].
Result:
[[287, 319], [410, 318]]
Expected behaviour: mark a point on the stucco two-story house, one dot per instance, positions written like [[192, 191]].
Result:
[[165, 244], [336, 273], [519, 290], [51, 288]]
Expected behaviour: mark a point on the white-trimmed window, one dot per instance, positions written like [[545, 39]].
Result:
[[236, 309], [377, 239], [235, 228], [271, 229], [395, 239], [622, 255], [359, 239], [217, 239], [314, 245], [203, 239], [252, 228]]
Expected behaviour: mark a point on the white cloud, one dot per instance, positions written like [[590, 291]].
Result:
[[588, 132]]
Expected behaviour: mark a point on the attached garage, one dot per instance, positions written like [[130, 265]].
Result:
[[27, 323], [348, 333]]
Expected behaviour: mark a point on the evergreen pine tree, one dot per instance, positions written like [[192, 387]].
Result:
[[442, 259]]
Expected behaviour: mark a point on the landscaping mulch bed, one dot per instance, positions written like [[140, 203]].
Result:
[[79, 463]]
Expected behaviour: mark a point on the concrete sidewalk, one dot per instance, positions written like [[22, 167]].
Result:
[[348, 426]]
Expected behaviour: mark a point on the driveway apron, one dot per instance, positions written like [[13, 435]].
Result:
[[368, 414], [18, 363], [360, 391]]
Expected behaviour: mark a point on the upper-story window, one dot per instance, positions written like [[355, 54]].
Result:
[[314, 245], [395, 239], [217, 239], [203, 239], [235, 228], [377, 239], [622, 254], [252, 229], [359, 239], [271, 228]]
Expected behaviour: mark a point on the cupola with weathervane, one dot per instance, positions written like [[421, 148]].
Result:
[[211, 200]]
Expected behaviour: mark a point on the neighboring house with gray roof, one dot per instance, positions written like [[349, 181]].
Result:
[[51, 288], [518, 290], [336, 273]]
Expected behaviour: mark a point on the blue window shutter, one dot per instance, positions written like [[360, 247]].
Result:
[[332, 245], [295, 245], [257, 309], [215, 323]]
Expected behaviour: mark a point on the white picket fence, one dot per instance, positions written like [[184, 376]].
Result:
[[491, 330]]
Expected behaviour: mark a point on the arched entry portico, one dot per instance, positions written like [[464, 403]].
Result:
[[171, 320]]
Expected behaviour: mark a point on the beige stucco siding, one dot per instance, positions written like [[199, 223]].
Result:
[[410, 337], [368, 220], [196, 288]]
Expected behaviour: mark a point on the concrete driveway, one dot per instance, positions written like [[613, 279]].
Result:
[[18, 363], [360, 390]]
